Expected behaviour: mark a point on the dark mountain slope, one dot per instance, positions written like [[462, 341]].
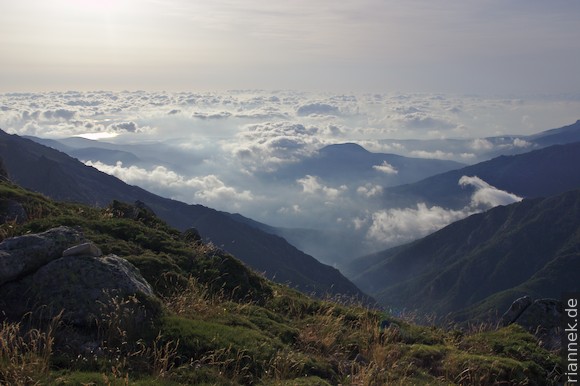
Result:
[[64, 178], [539, 173], [561, 135], [482, 262]]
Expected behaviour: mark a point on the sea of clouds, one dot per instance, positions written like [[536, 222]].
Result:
[[223, 149]]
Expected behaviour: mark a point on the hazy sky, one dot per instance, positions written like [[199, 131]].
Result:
[[467, 46]]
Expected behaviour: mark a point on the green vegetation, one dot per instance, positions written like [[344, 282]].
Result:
[[223, 324]]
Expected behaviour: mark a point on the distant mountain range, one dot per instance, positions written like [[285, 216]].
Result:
[[349, 163], [64, 178], [481, 264], [538, 173]]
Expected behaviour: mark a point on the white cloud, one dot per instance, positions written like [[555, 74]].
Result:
[[481, 144], [487, 195], [437, 154], [294, 209], [521, 143], [385, 167], [312, 185], [207, 189], [370, 190], [212, 115], [267, 145], [398, 225]]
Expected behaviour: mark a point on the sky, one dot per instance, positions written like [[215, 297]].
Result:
[[487, 46]]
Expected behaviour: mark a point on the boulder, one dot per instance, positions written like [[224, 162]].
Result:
[[541, 317], [3, 172], [84, 249], [98, 301], [515, 310], [85, 288], [20, 256]]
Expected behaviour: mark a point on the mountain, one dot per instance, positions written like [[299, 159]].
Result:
[[559, 136], [349, 163], [144, 155], [155, 306], [538, 173], [482, 263], [64, 178]]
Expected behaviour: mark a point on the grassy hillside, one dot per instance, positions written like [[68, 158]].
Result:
[[223, 324]]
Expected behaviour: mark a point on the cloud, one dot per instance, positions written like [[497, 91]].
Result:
[[487, 195], [206, 189], [521, 143], [130, 127], [481, 144], [63, 114], [215, 115], [317, 109], [312, 185], [398, 225], [420, 120], [266, 146], [370, 190], [437, 154], [385, 167]]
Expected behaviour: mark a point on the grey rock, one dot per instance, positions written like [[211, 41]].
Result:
[[23, 255], [515, 310], [85, 249], [86, 289], [541, 317], [3, 172]]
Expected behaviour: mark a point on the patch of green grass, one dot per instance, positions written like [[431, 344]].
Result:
[[240, 350], [80, 378]]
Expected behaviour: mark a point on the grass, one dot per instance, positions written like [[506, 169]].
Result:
[[222, 324]]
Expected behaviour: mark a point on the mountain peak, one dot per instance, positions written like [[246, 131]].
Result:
[[344, 148]]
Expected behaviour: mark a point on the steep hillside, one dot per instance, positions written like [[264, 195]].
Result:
[[539, 173], [61, 177], [216, 322], [483, 262]]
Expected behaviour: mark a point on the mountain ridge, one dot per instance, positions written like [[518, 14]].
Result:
[[67, 179], [537, 173], [482, 263]]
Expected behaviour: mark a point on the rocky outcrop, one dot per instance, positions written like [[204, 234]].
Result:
[[3, 172], [23, 255], [515, 310], [541, 317], [44, 273], [82, 287]]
